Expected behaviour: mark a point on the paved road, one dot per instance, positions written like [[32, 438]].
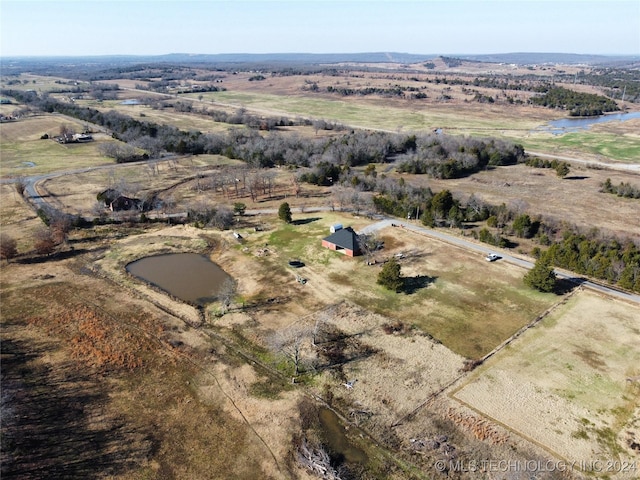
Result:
[[505, 257]]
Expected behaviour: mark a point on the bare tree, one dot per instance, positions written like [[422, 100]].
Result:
[[60, 225], [66, 130], [98, 209], [268, 180], [222, 218], [255, 183], [342, 196], [226, 293], [20, 184], [8, 247], [44, 243], [291, 342], [323, 318], [369, 244], [168, 204]]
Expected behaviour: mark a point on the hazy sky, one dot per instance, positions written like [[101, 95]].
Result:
[[97, 27]]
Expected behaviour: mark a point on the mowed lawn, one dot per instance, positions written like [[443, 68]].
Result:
[[458, 298]]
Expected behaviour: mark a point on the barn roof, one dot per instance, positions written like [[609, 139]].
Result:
[[345, 238]]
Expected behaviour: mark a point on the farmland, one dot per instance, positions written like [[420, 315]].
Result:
[[462, 363]]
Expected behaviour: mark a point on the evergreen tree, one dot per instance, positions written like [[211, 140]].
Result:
[[522, 226], [284, 212], [541, 276], [562, 170], [390, 276]]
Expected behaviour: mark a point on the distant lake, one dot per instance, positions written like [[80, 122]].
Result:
[[574, 124], [131, 101]]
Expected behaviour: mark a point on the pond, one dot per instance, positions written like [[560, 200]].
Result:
[[131, 101], [190, 277], [335, 435], [574, 124]]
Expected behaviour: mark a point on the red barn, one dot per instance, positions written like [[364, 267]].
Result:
[[344, 240]]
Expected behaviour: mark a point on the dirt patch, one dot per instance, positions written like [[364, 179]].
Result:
[[396, 373]]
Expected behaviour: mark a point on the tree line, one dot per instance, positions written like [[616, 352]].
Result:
[[624, 189], [594, 253], [454, 157], [577, 103]]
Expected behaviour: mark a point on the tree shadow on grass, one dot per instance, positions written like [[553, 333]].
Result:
[[304, 221], [566, 285], [413, 284], [32, 258]]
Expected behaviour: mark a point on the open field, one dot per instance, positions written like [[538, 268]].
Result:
[[564, 384], [381, 114], [154, 388], [25, 153], [146, 421], [459, 115], [576, 199], [182, 121], [621, 143], [491, 303], [76, 193], [17, 219]]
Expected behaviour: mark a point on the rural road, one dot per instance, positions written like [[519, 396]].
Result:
[[505, 257], [31, 193]]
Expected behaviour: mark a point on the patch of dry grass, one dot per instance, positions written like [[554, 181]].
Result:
[[141, 422], [564, 385]]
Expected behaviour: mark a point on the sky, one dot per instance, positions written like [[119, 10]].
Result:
[[156, 27]]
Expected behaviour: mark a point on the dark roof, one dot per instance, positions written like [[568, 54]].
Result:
[[125, 203], [345, 238]]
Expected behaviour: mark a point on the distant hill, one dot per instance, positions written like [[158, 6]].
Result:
[[313, 58], [528, 58], [245, 59]]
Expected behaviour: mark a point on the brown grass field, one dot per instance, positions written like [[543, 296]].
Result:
[[565, 385], [104, 376]]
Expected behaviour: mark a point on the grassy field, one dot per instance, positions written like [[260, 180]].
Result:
[[143, 113], [377, 114], [17, 219], [24, 153], [132, 422], [595, 144], [454, 295], [564, 384]]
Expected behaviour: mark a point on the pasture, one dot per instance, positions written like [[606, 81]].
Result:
[[564, 384], [452, 295], [25, 153], [568, 386]]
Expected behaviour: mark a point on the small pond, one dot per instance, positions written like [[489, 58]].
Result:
[[574, 124], [131, 101], [334, 434], [190, 277]]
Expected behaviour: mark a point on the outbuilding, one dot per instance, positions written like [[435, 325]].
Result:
[[344, 240]]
